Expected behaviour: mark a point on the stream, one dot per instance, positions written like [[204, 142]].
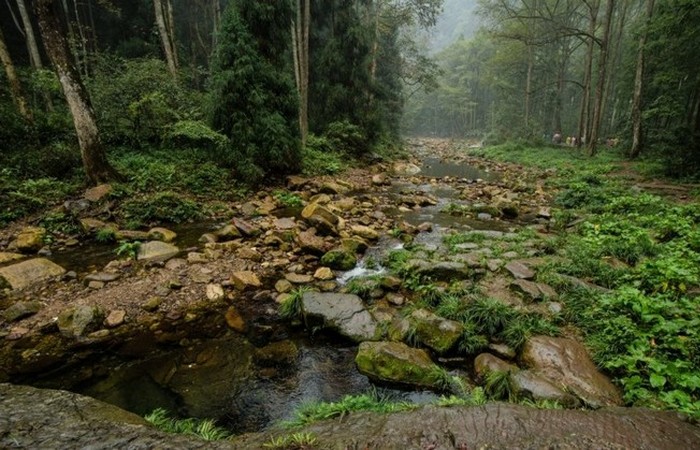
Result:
[[248, 383]]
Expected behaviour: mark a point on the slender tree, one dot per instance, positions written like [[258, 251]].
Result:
[[600, 86], [97, 168], [15, 87], [637, 131], [300, 49], [164, 22], [30, 38]]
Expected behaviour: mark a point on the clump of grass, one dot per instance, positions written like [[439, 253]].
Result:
[[291, 307], [499, 387], [202, 428], [294, 441]]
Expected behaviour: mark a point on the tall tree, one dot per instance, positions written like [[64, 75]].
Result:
[[637, 132], [94, 158], [166, 30], [602, 72], [300, 48], [30, 38], [15, 87]]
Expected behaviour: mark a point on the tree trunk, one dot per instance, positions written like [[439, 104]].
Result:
[[15, 87], [32, 48], [600, 86], [216, 13], [97, 168], [584, 116], [637, 130], [528, 84], [165, 36], [300, 41]]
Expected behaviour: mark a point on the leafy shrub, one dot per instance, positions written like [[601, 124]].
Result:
[[161, 207], [205, 429], [317, 158], [346, 137]]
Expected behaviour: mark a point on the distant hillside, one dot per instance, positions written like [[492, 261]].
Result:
[[458, 19]]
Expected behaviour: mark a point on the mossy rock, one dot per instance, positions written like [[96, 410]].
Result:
[[438, 333], [395, 362], [339, 259]]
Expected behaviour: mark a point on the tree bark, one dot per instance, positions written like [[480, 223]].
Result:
[[97, 168], [15, 87], [637, 130], [32, 48], [602, 72], [584, 116], [165, 35], [300, 40]]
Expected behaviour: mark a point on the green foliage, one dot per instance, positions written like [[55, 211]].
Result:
[[318, 158], [371, 401], [106, 235], [205, 429], [291, 307], [294, 441], [397, 261], [160, 207], [498, 386], [194, 134], [288, 199], [19, 198], [346, 137], [128, 249], [253, 101], [60, 222]]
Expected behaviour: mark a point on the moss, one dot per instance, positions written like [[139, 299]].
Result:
[[339, 259]]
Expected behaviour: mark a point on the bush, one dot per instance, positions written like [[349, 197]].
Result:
[[160, 207], [347, 138]]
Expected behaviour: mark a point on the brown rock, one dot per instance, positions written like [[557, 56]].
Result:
[[245, 228], [298, 278], [311, 243], [115, 318], [215, 292], [520, 270], [30, 239], [162, 234], [365, 232], [486, 363], [283, 286], [98, 192], [90, 225], [324, 273], [245, 279], [234, 320]]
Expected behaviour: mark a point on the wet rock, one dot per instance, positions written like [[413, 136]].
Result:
[[215, 292], [283, 354], [435, 332], [565, 362], [298, 278], [115, 318], [528, 384], [26, 273], [321, 218], [6, 257], [79, 321], [339, 259], [365, 232], [98, 192], [234, 320], [311, 243], [486, 363], [404, 169], [440, 271], [29, 240], [245, 279], [520, 270], [246, 228], [502, 350], [285, 223], [342, 313], [227, 233], [333, 188], [324, 273], [90, 225], [131, 235], [156, 251], [162, 234], [395, 362], [104, 277], [354, 245], [283, 286], [20, 310]]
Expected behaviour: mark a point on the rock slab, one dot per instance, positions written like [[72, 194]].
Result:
[[26, 273], [343, 313], [396, 362]]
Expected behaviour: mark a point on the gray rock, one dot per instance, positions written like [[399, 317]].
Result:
[[440, 271], [26, 273], [486, 363], [103, 277], [343, 313], [396, 362], [528, 288], [156, 251], [246, 228], [520, 270], [79, 321], [566, 363], [528, 384], [20, 310], [436, 332]]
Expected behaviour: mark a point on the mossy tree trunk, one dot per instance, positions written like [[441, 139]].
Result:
[[15, 88]]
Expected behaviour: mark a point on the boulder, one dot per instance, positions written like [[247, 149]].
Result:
[[405, 169], [354, 245], [339, 259], [365, 232], [440, 271], [311, 243], [246, 228], [20, 310], [79, 321], [26, 273], [227, 233], [395, 362], [520, 270], [6, 257], [528, 384], [331, 187], [486, 363], [438, 333], [30, 239], [566, 363], [91, 225], [156, 251], [321, 218], [162, 234], [342, 313], [245, 279]]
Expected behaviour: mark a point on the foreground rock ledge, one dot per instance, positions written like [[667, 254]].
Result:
[[43, 419]]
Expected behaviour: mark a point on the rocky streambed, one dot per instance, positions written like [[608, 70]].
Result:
[[194, 325]]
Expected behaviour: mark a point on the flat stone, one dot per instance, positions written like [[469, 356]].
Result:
[[395, 362], [162, 234], [95, 285], [528, 288], [528, 384], [283, 286], [131, 235], [245, 279], [311, 243], [365, 232], [197, 258], [26, 273], [440, 271], [435, 332], [156, 251], [246, 228], [502, 350], [91, 225], [80, 320], [298, 278], [105, 277], [175, 263], [20, 310], [285, 223], [227, 232], [520, 270], [6, 257], [324, 273], [115, 318], [343, 313], [494, 264]]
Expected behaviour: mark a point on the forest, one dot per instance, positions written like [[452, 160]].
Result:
[[249, 220]]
